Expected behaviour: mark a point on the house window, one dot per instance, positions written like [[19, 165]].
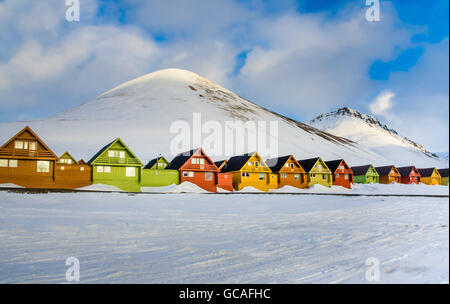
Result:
[[243, 174], [324, 176], [18, 144], [313, 174], [43, 166], [81, 168], [69, 161], [32, 145], [208, 176], [13, 163], [296, 176], [256, 164], [202, 161], [111, 153], [337, 175], [130, 171], [3, 163], [107, 169], [122, 154], [100, 169], [287, 165], [262, 176], [346, 176], [283, 175], [188, 173], [194, 161], [225, 176], [319, 167], [62, 168], [250, 163]]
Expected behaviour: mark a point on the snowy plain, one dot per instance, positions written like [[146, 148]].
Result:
[[221, 238]]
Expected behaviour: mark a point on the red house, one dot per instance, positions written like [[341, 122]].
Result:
[[224, 179], [342, 174], [409, 175], [197, 168]]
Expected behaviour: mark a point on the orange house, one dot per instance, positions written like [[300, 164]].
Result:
[[388, 174], [224, 179], [288, 172], [410, 175], [25, 160], [342, 173], [197, 168]]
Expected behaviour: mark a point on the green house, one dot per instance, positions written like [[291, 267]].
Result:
[[66, 158], [318, 172], [365, 175], [116, 165], [155, 174]]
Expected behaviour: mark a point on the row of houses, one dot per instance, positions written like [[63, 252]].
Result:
[[27, 161]]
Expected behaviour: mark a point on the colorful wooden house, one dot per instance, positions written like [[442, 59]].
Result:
[[388, 174], [288, 171], [224, 179], [341, 173], [249, 170], [155, 174], [444, 176], [430, 176], [365, 175], [70, 174], [25, 160], [116, 165], [409, 175], [196, 167], [318, 172]]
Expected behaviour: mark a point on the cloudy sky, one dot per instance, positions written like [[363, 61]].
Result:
[[299, 58]]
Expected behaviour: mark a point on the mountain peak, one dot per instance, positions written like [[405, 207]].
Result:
[[346, 111], [347, 122]]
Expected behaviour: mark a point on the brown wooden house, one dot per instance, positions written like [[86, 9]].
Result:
[[388, 174], [342, 173], [410, 175], [197, 168], [25, 160], [71, 174]]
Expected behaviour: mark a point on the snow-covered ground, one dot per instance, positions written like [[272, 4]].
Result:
[[202, 238]]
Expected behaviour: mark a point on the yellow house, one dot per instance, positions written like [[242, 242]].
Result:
[[430, 176], [318, 172], [249, 170], [444, 176]]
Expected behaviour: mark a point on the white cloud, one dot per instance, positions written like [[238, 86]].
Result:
[[382, 103]]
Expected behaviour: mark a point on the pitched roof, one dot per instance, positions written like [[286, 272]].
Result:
[[426, 172], [151, 163], [277, 163], [308, 164], [236, 163], [384, 170], [27, 128], [405, 171], [333, 164], [181, 159], [360, 170], [219, 163], [70, 156], [107, 146], [443, 172]]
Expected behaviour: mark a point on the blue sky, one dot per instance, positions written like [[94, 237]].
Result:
[[299, 58]]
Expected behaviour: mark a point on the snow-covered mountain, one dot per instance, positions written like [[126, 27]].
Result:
[[142, 110], [372, 135]]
